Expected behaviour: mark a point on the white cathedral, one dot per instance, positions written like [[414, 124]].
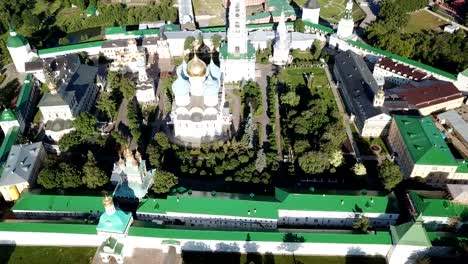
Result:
[[199, 110], [237, 55]]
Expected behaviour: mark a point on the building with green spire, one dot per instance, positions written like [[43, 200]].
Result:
[[114, 222]]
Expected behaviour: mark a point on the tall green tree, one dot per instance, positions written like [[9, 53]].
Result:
[[127, 88], [93, 176], [216, 41], [299, 25], [70, 140], [163, 181], [188, 42], [107, 105], [390, 175], [314, 162], [85, 125]]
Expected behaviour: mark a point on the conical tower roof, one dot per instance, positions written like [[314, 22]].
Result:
[[15, 40]]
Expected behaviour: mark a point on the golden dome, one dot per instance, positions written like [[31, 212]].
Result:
[[107, 201], [196, 67]]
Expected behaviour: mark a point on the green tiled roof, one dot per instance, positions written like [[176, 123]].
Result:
[[172, 27], [25, 92], [402, 59], [462, 166], [336, 203], [144, 32], [7, 115], [411, 234], [48, 228], [91, 10], [438, 207], [211, 206], [58, 203], [318, 26], [71, 47], [380, 238], [259, 15], [223, 50], [424, 141], [8, 142]]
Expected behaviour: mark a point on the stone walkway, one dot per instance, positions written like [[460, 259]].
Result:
[[146, 256]]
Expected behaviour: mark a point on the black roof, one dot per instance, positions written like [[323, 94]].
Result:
[[357, 83]]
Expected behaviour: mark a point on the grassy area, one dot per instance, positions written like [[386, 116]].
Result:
[[332, 10], [45, 5], [423, 20], [237, 258], [296, 76], [211, 8], [46, 255]]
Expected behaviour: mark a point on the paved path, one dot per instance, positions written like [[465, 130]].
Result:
[[370, 15], [343, 113], [263, 70], [446, 19]]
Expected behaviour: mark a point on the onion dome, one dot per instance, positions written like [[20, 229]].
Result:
[[107, 201], [211, 88], [196, 67], [181, 87]]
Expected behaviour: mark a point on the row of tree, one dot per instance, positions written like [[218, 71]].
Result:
[[64, 175]]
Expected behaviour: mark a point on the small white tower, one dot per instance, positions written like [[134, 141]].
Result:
[[19, 49], [346, 24], [282, 44], [379, 98], [108, 205], [311, 11]]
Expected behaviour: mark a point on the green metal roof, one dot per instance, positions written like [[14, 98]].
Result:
[[380, 238], [438, 207], [336, 203], [211, 206], [259, 15], [91, 10], [465, 72], [318, 26], [48, 228], [402, 59], [16, 41], [58, 203], [213, 29], [424, 141], [71, 47], [223, 50], [8, 142], [7, 115], [115, 223], [25, 92], [411, 234], [171, 27], [462, 166]]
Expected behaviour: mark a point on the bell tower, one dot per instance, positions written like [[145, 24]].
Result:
[[237, 32]]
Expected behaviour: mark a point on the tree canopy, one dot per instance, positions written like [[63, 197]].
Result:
[[390, 174], [163, 181], [60, 175], [93, 176]]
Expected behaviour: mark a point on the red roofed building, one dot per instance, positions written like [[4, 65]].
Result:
[[428, 96], [388, 70]]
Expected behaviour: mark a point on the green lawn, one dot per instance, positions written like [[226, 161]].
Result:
[[296, 76], [46, 255], [332, 10], [212, 8], [237, 258], [423, 20]]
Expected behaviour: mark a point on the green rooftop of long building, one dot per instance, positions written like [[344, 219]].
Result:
[[380, 238], [8, 142], [58, 203], [25, 92], [336, 203], [424, 141], [71, 47], [438, 207], [211, 206]]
